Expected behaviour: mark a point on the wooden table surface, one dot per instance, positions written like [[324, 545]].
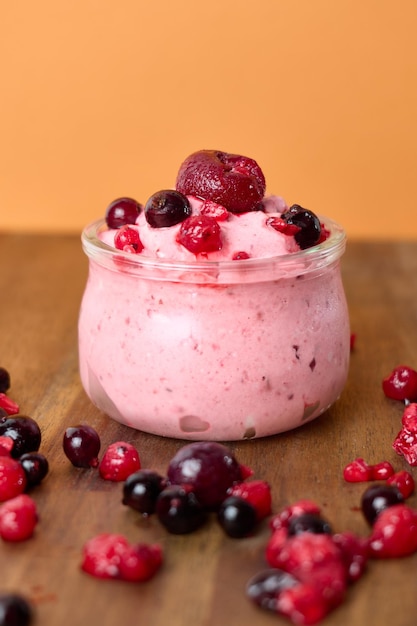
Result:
[[202, 583]]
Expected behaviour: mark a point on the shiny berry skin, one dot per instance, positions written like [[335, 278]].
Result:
[[8, 405], [25, 433], [4, 380], [119, 461], [265, 587], [81, 445], [401, 384], [140, 562], [307, 222], [179, 511], [234, 181], [166, 208], [36, 467], [209, 468], [127, 239], [377, 498], [382, 470], [200, 234], [6, 445], [15, 610], [18, 518], [301, 507], [12, 478], [357, 471], [257, 493], [122, 211], [308, 522], [141, 490], [237, 517], [213, 209], [404, 483], [394, 533]]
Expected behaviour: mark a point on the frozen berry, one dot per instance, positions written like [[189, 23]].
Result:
[[404, 483], [301, 507], [237, 517], [6, 445], [257, 493], [167, 208], [81, 445], [209, 467], [140, 562], [381, 471], [377, 498], [18, 518], [200, 234], [213, 209], [405, 444], [122, 211], [24, 431], [179, 511], [127, 239], [357, 471], [308, 522], [119, 461], [354, 551], [15, 610], [409, 417], [394, 533], [141, 490], [8, 405], [4, 380], [236, 182], [36, 467], [265, 587], [401, 384], [12, 478], [307, 222]]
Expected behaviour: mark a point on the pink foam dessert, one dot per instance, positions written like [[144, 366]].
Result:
[[214, 311]]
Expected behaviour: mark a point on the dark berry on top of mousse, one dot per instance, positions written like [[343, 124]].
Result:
[[24, 431], [308, 223], [234, 181], [166, 208], [4, 380], [122, 211]]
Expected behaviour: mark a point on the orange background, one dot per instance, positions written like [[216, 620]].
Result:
[[101, 99]]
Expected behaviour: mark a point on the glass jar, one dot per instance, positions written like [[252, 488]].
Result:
[[216, 350]]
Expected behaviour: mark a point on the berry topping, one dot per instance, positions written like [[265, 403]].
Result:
[[401, 384], [237, 517], [127, 239], [200, 234], [179, 511], [122, 211], [18, 518], [377, 498], [4, 380], [394, 533], [141, 490], [240, 256], [119, 461], [265, 587], [81, 445], [15, 610], [236, 182], [167, 208], [307, 222], [36, 467], [213, 209], [209, 467], [24, 431]]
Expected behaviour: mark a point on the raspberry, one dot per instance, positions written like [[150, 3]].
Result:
[[302, 554], [18, 518], [409, 417], [215, 210], [394, 533], [119, 461], [12, 478], [257, 493], [404, 483], [127, 239], [405, 444], [401, 384], [357, 471], [200, 234], [8, 405]]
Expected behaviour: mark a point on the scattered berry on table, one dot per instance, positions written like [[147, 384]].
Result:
[[4, 380], [81, 445], [394, 533], [6, 445], [257, 493], [200, 234], [405, 444], [377, 498], [122, 211], [18, 518], [179, 510], [401, 384], [141, 490], [308, 522], [15, 610], [36, 467], [237, 517], [166, 208], [24, 431], [236, 182], [12, 478], [404, 482], [265, 587], [301, 507], [357, 471], [119, 461], [215, 210], [354, 551], [8, 405]]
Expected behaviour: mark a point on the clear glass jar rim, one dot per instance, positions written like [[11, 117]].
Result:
[[306, 261]]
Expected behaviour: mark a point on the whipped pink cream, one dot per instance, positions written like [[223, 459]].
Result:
[[218, 349]]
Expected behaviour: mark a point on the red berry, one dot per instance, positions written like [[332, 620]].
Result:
[[405, 444], [282, 519], [303, 604], [240, 256], [279, 224], [127, 239], [140, 562], [236, 182], [404, 483], [357, 471], [200, 234], [12, 478], [409, 417], [257, 493], [381, 471], [213, 209], [8, 405], [122, 211], [119, 461], [302, 553], [354, 551], [6, 445], [394, 533], [18, 518], [401, 384]]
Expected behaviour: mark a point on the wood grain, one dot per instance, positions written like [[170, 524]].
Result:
[[202, 582]]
